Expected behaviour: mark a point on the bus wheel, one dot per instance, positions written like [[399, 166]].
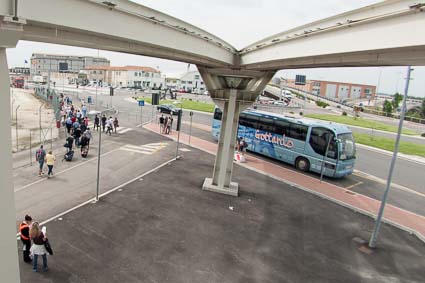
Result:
[[302, 164]]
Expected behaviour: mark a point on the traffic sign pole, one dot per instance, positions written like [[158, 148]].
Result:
[[190, 128]]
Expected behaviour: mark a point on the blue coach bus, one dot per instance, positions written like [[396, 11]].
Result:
[[298, 141]]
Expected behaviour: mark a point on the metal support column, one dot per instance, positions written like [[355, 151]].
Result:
[[9, 269], [223, 167]]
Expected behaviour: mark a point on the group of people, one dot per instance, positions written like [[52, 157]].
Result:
[[34, 241], [165, 124], [41, 157], [111, 124], [77, 125]]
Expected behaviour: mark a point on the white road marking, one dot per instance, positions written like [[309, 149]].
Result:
[[66, 170], [104, 194], [124, 130], [382, 181], [137, 151], [144, 149]]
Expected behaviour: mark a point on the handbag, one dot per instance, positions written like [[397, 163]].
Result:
[[48, 247]]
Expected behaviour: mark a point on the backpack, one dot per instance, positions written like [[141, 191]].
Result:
[[38, 154]]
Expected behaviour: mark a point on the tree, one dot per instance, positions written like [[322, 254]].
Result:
[[422, 110], [396, 100], [388, 107]]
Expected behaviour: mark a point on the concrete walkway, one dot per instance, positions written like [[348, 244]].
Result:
[[163, 228], [398, 217]]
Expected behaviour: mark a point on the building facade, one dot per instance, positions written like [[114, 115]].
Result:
[[192, 82], [126, 76], [41, 64], [335, 90]]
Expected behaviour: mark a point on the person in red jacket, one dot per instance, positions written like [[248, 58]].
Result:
[[24, 231]]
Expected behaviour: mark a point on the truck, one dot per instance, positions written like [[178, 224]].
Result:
[[39, 79], [18, 82]]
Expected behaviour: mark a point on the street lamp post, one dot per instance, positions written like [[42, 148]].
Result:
[[16, 130], [374, 237], [180, 128]]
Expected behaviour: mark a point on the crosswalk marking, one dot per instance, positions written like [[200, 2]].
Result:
[[144, 149], [123, 130]]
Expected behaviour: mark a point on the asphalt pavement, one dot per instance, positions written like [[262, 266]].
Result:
[[164, 228]]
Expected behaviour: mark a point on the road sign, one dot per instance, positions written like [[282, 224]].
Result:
[[141, 103], [300, 80], [191, 113]]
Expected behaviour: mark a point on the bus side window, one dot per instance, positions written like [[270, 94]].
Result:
[[319, 141], [282, 127], [266, 125], [298, 132], [247, 120], [217, 114]]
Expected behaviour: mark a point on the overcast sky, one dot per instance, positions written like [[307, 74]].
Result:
[[241, 22]]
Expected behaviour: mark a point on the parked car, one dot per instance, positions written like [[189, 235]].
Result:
[[168, 109]]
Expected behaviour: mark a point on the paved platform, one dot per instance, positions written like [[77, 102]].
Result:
[[404, 219], [164, 228]]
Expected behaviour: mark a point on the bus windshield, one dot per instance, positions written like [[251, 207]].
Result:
[[348, 149]]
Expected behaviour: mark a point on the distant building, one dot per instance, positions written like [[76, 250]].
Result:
[[41, 64], [172, 83], [192, 82], [335, 90], [20, 71], [126, 76]]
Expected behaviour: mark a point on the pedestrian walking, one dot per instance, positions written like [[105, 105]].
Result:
[[50, 161], [116, 124], [38, 248], [86, 121], [103, 122], [68, 125], [69, 143], [84, 111], [96, 122], [165, 125], [24, 232], [161, 123], [87, 134], [77, 135], [109, 126], [168, 127], [39, 156]]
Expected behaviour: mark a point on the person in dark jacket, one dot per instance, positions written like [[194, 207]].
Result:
[[77, 135], [38, 248], [96, 122], [103, 122], [24, 232]]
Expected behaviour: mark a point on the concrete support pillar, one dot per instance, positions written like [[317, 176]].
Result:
[[223, 167], [233, 90], [9, 269]]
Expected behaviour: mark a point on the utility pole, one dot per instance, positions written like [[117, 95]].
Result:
[[98, 163], [374, 237]]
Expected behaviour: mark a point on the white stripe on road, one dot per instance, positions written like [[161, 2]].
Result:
[[104, 194], [122, 131], [384, 182], [137, 150], [66, 170], [136, 147]]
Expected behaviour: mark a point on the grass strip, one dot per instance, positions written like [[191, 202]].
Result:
[[360, 122], [388, 144], [187, 104]]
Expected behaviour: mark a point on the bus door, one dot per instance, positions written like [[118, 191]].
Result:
[[318, 143]]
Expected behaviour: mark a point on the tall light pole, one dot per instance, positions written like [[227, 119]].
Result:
[[377, 87], [374, 237], [179, 125], [16, 131], [98, 160]]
